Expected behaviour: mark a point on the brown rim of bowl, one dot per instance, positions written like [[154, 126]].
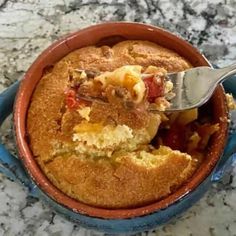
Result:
[[66, 45]]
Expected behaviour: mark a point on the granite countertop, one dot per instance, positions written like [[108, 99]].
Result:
[[29, 26]]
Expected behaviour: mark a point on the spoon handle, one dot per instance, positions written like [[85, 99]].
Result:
[[224, 73]]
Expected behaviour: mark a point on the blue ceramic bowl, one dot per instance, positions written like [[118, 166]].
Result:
[[111, 221]]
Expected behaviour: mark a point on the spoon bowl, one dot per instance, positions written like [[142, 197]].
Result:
[[194, 87]]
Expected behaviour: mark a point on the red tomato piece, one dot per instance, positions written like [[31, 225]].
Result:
[[155, 87], [71, 99], [175, 138], [72, 102]]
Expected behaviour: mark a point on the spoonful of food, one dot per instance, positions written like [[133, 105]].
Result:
[[164, 91]]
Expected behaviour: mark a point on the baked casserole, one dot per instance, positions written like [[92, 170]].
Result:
[[92, 130]]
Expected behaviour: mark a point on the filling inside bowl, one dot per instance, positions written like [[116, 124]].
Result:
[[93, 131]]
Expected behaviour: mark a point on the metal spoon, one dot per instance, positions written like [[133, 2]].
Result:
[[195, 86], [192, 88]]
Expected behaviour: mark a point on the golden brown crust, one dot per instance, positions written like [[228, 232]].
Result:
[[44, 115], [117, 184], [113, 184]]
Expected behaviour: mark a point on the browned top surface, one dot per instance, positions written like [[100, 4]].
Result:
[[49, 126]]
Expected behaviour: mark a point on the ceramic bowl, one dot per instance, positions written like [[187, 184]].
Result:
[[119, 220]]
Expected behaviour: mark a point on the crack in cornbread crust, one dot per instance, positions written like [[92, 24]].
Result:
[[49, 123]]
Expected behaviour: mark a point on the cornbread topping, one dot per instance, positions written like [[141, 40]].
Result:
[[92, 132]]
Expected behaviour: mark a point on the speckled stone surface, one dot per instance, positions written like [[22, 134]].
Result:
[[29, 26]]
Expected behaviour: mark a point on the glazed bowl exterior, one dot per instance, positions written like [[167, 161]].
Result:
[[119, 220]]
